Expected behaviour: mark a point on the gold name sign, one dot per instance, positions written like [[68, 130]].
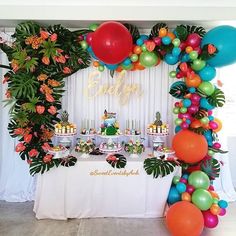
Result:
[[114, 173], [120, 88]]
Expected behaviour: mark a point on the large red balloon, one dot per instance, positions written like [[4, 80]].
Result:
[[112, 42], [189, 146], [184, 219]]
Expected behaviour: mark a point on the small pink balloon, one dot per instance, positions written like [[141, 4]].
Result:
[[184, 125], [182, 46], [190, 189], [193, 109], [210, 112], [211, 188], [157, 41], [89, 38], [222, 212], [177, 104], [193, 40], [217, 145], [195, 97], [182, 180], [213, 125], [198, 50], [210, 220]]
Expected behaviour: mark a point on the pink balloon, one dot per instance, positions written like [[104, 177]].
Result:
[[157, 41], [195, 97], [210, 220], [182, 180], [190, 189], [180, 116], [210, 112], [213, 125], [182, 46], [186, 115], [211, 188], [193, 40], [222, 212], [193, 109], [89, 38], [198, 50], [184, 125], [217, 145], [176, 104]]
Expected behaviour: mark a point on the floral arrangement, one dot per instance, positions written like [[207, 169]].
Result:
[[85, 146], [134, 147]]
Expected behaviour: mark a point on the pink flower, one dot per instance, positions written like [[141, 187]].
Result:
[[40, 109], [47, 158], [46, 147], [53, 37], [28, 137], [19, 131], [33, 153], [52, 110], [29, 161], [44, 34], [6, 78], [20, 147], [8, 94], [66, 70], [50, 98]]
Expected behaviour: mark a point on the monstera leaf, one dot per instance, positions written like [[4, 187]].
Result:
[[69, 161], [211, 167], [133, 31], [217, 99], [205, 54], [158, 167], [195, 29], [156, 28], [200, 114], [116, 161], [181, 32], [178, 89]]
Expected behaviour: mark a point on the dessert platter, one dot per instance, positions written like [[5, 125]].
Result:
[[59, 152]]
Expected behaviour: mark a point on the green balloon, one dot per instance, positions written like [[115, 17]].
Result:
[[128, 67], [178, 121], [93, 27], [176, 42], [199, 180], [183, 110], [207, 88], [176, 110], [205, 120], [84, 44], [134, 57], [101, 68], [148, 59], [172, 74], [175, 180], [198, 64], [202, 199], [211, 153], [193, 55], [215, 200], [144, 48]]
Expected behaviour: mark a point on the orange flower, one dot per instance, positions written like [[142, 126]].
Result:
[[53, 83], [46, 147], [29, 40], [53, 37], [52, 110], [27, 138], [46, 60], [47, 158], [33, 153], [14, 65], [60, 59], [211, 49], [66, 70], [47, 134], [44, 34], [42, 77], [49, 98], [40, 109], [45, 89], [18, 131], [20, 147], [8, 94]]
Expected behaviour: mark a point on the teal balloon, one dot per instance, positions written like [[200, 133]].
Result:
[[111, 67], [177, 129], [139, 42], [173, 196], [207, 88], [223, 38], [127, 62], [171, 59], [166, 40], [198, 64], [223, 204], [176, 179], [199, 180], [205, 104], [187, 102], [176, 51], [208, 73], [193, 55], [148, 59], [181, 187], [93, 27], [202, 199]]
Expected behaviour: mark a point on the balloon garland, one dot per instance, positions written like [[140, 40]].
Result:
[[41, 57]]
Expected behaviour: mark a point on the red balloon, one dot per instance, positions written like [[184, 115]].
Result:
[[112, 42], [189, 146], [193, 40]]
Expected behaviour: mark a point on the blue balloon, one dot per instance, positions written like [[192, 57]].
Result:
[[208, 136], [173, 196], [126, 62], [188, 121], [211, 118], [192, 90], [185, 58], [166, 40], [171, 59], [111, 67], [177, 129], [90, 50], [208, 73], [187, 102], [139, 42], [144, 37], [181, 187], [205, 104], [185, 176], [176, 51], [223, 204], [223, 38]]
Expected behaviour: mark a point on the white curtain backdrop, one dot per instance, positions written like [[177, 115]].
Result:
[[15, 182]]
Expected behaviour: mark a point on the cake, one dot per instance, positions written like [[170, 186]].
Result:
[[158, 127], [110, 146], [87, 127], [110, 125], [59, 151], [64, 127]]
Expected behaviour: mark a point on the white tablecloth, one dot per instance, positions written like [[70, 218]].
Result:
[[92, 188]]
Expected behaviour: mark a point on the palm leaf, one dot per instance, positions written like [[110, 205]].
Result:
[[200, 114], [211, 167], [133, 31], [156, 28], [119, 163], [205, 55], [194, 29], [199, 130], [178, 89], [217, 99], [181, 32], [158, 167]]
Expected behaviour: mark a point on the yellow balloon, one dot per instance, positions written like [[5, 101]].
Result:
[[219, 123]]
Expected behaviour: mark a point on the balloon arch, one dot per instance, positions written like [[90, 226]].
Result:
[[40, 58]]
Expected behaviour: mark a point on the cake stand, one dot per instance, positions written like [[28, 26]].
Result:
[[65, 138], [63, 153], [88, 136], [109, 141]]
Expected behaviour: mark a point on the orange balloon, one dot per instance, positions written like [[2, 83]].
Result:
[[188, 49], [171, 35], [193, 81], [137, 50], [219, 123], [184, 219], [138, 66], [119, 69], [96, 64], [162, 32], [189, 146], [214, 194], [186, 197], [215, 209], [196, 124]]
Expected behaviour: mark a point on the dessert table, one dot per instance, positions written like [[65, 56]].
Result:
[[92, 188]]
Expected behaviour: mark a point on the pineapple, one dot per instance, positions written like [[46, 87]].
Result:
[[158, 121], [64, 118]]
